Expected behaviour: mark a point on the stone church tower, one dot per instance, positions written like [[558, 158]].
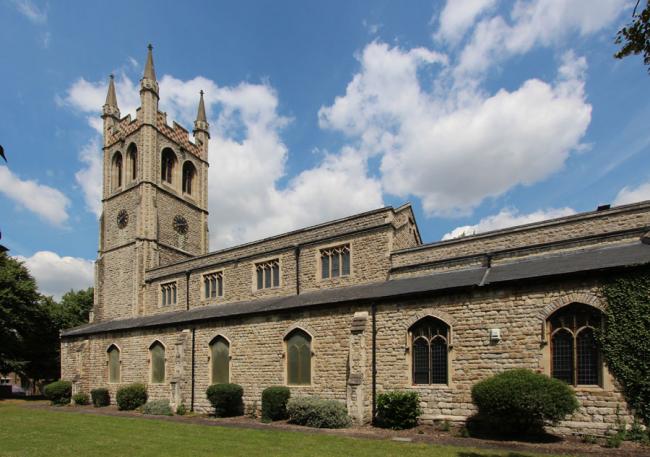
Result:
[[154, 198]]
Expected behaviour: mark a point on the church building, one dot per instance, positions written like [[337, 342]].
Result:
[[342, 310]]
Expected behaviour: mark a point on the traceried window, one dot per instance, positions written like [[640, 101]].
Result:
[[133, 162], [213, 285], [188, 177], [168, 294], [167, 164], [220, 360], [430, 349], [113, 364], [116, 171], [157, 353], [335, 261], [575, 356], [268, 274], [298, 358]]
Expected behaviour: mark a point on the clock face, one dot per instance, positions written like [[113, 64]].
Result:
[[122, 218], [180, 225]]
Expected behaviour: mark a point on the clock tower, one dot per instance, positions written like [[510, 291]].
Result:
[[154, 198]]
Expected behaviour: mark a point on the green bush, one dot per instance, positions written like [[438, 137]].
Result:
[[274, 403], [181, 410], [398, 409], [81, 398], [226, 399], [625, 339], [157, 408], [315, 412], [100, 397], [522, 401], [58, 392], [131, 397]]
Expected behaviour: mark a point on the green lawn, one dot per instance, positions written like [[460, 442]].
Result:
[[30, 432]]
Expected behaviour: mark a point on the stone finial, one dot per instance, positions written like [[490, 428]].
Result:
[[201, 122], [149, 70], [200, 116]]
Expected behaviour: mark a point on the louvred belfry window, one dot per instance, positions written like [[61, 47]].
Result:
[[430, 349], [575, 356]]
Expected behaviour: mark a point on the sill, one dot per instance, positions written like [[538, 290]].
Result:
[[431, 386], [588, 388], [299, 385]]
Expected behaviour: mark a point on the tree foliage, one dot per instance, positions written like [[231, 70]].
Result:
[[625, 340], [635, 36]]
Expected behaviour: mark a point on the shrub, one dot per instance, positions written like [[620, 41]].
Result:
[[274, 403], [626, 335], [181, 410], [315, 412], [226, 399], [58, 392], [81, 398], [131, 397], [522, 401], [398, 409], [100, 397], [157, 408]]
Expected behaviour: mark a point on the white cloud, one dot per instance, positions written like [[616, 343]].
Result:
[[30, 11], [56, 275], [507, 217], [458, 16], [532, 23], [632, 195], [47, 202], [89, 178], [452, 149]]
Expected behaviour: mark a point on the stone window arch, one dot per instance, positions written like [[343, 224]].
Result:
[[116, 171], [158, 362], [219, 360], [114, 363], [167, 165], [430, 342], [189, 172], [574, 353], [299, 357], [132, 154]]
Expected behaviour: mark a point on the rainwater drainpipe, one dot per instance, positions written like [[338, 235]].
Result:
[[192, 383], [373, 308]]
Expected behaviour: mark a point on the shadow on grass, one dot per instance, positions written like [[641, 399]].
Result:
[[24, 398]]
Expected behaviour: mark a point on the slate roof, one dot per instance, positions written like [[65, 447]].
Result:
[[603, 258]]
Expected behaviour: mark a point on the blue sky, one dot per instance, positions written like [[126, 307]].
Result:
[[482, 113]]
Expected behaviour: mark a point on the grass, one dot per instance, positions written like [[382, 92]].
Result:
[[32, 432]]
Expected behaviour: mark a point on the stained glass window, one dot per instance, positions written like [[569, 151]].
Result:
[[430, 351], [157, 352], [298, 358], [113, 364], [220, 358]]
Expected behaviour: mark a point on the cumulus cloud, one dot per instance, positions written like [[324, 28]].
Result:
[[454, 149], [507, 217], [47, 202], [633, 194], [56, 275], [532, 23], [247, 156], [458, 16], [32, 12]]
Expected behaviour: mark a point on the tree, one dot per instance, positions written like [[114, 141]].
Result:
[[73, 309], [635, 37]]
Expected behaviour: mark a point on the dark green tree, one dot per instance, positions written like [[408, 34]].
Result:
[[635, 36], [73, 309]]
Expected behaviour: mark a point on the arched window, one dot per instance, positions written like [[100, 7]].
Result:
[[220, 360], [157, 353], [168, 161], [116, 171], [575, 357], [298, 358], [430, 349], [188, 176], [113, 363], [133, 162]]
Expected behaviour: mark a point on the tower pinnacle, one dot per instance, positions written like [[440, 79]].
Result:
[[110, 106], [149, 71], [201, 122]]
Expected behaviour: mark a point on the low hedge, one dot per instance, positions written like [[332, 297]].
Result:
[[226, 399], [398, 409], [81, 398], [58, 392], [315, 412], [274, 403], [157, 408], [100, 397], [521, 401], [131, 397]]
